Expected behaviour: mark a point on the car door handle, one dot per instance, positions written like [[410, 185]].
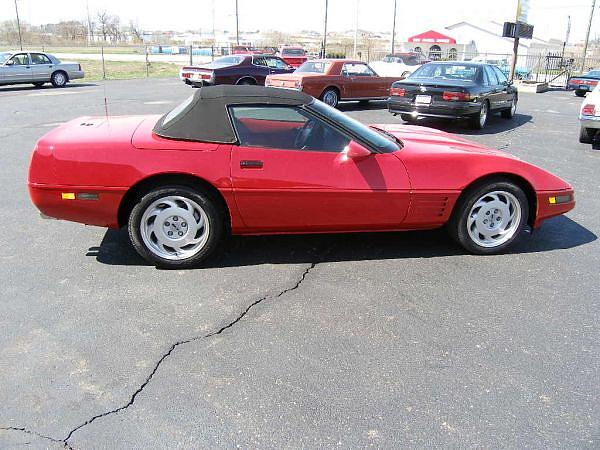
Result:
[[251, 164]]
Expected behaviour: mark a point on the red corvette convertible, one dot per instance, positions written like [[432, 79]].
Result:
[[256, 160]]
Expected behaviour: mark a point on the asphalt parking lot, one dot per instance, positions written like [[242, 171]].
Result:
[[382, 340]]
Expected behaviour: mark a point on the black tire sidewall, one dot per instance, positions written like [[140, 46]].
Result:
[[52, 79], [458, 226], [475, 123], [215, 220], [337, 96], [585, 136], [508, 113]]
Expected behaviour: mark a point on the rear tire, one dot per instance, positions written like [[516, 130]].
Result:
[[331, 97], [579, 93], [59, 79], [586, 135], [175, 227], [479, 121], [490, 217]]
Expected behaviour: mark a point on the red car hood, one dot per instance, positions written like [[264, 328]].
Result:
[[419, 138]]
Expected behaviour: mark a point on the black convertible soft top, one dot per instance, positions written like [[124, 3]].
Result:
[[204, 117]]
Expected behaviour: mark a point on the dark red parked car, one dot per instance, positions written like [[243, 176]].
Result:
[[235, 69]]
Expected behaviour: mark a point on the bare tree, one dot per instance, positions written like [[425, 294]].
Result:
[[71, 30], [135, 31]]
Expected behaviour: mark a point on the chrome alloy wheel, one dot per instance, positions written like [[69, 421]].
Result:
[[330, 98], [483, 113], [174, 228], [494, 219], [60, 79]]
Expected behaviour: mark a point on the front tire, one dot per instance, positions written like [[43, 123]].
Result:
[[489, 218], [586, 135], [409, 118], [246, 82], [59, 79], [510, 112], [175, 227], [579, 93]]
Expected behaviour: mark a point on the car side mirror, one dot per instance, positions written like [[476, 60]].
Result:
[[10, 62], [356, 151]]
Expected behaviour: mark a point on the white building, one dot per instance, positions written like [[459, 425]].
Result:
[[487, 39]]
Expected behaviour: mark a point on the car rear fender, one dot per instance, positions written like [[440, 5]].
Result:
[[149, 183]]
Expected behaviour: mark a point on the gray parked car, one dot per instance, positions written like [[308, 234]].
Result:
[[36, 68]]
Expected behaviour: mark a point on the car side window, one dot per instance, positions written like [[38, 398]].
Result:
[[357, 70], [259, 61], [491, 75], [276, 63], [38, 58], [485, 78], [501, 76], [20, 59], [285, 128]]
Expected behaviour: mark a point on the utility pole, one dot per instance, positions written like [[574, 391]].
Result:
[[566, 37], [237, 24], [356, 28], [394, 28], [89, 23], [587, 36], [19, 26], [323, 50]]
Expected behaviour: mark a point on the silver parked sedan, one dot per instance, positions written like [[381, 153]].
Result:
[[36, 68]]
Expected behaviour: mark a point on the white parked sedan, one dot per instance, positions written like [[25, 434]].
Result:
[[589, 116], [36, 68], [399, 65]]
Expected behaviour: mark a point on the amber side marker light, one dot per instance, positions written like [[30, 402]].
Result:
[[560, 199], [79, 196]]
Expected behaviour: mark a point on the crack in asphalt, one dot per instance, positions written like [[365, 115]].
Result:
[[35, 433], [183, 342]]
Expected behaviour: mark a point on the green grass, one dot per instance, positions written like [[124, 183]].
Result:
[[124, 70]]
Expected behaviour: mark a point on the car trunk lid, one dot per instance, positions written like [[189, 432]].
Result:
[[434, 89]]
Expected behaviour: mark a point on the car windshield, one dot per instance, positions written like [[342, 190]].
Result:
[[461, 72], [313, 67], [594, 73], [4, 57], [378, 139], [292, 52], [230, 60]]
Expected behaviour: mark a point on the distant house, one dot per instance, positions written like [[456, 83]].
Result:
[[433, 45]]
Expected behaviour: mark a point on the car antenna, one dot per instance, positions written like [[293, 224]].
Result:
[[105, 100]]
